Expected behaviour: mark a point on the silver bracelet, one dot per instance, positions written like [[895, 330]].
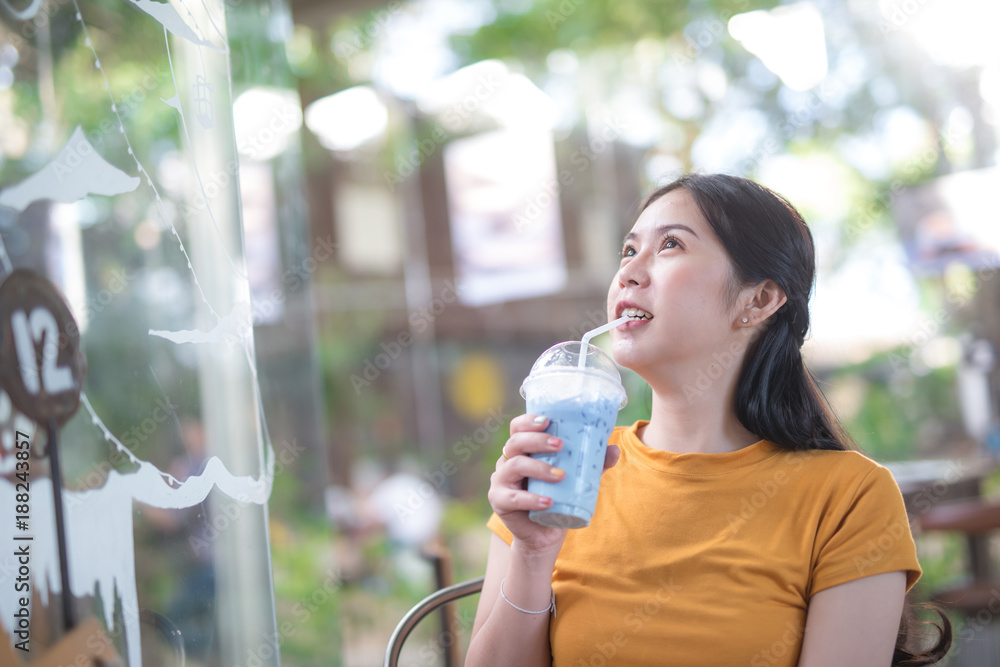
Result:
[[551, 607]]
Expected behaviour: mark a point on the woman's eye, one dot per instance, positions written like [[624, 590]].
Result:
[[671, 242], [628, 251]]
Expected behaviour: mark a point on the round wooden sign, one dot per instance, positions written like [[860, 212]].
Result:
[[41, 365]]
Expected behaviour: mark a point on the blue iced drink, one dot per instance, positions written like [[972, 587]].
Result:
[[582, 405]]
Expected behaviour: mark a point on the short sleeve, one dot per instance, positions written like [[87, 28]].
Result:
[[868, 534], [497, 525]]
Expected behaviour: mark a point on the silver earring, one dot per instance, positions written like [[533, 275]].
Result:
[[745, 320]]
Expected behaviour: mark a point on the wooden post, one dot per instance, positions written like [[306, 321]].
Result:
[[437, 552]]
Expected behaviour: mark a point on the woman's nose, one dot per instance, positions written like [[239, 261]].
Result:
[[633, 273]]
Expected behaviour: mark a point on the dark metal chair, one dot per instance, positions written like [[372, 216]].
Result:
[[423, 608]]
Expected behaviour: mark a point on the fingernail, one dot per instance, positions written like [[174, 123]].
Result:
[[544, 502], [538, 421], [553, 443], [556, 472]]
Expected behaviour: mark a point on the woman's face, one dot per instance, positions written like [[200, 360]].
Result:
[[673, 268]]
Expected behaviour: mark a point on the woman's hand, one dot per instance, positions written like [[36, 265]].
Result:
[[507, 494]]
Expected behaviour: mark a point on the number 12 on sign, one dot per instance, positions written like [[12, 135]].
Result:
[[28, 331]]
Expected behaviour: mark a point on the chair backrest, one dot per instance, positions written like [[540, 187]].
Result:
[[422, 609]]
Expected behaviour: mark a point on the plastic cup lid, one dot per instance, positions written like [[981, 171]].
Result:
[[564, 358]]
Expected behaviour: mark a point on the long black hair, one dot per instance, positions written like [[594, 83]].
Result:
[[777, 397]]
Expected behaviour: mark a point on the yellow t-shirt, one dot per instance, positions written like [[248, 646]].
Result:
[[710, 559]]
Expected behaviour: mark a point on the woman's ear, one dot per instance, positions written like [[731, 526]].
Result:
[[760, 302]]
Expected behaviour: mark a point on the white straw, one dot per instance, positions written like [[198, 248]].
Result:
[[596, 332]]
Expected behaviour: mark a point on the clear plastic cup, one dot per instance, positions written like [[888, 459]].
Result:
[[582, 405]]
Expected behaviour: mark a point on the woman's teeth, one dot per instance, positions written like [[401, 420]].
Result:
[[637, 314]]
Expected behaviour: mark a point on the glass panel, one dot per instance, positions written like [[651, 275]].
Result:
[[119, 183]]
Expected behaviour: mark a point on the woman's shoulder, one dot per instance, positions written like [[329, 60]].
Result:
[[838, 467], [845, 459]]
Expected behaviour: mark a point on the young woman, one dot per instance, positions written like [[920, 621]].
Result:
[[737, 526]]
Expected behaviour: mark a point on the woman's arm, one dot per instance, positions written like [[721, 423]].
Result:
[[502, 635], [505, 632], [854, 623]]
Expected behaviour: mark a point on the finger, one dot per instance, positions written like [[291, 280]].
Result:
[[528, 423], [505, 501], [529, 443], [611, 456], [511, 474]]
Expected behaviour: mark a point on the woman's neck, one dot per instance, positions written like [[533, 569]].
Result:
[[695, 422]]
